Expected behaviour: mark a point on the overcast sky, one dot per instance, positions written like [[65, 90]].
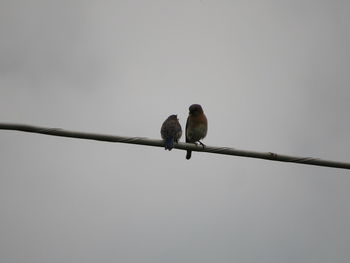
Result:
[[270, 75]]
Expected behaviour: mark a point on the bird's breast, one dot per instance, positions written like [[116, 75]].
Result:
[[197, 132]]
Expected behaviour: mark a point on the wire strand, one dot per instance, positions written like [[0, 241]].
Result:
[[182, 146]]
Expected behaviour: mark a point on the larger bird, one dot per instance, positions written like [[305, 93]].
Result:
[[196, 126], [171, 131]]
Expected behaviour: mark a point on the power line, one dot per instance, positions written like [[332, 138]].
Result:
[[182, 146]]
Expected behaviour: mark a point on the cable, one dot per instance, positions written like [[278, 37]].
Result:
[[182, 146]]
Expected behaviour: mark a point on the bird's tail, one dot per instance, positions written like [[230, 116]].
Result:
[[169, 143], [188, 155]]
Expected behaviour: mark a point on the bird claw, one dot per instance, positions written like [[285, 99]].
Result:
[[203, 145]]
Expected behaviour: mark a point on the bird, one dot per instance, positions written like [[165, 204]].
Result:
[[171, 131], [196, 126]]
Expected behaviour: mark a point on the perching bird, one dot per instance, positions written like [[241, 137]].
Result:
[[196, 126], [171, 131]]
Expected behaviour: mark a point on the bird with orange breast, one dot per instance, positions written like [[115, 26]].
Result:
[[196, 126]]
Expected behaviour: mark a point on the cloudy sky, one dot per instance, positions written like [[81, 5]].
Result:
[[270, 75]]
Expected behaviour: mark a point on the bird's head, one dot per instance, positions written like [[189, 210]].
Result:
[[195, 109], [172, 117]]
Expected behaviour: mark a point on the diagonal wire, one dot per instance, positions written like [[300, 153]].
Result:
[[183, 146]]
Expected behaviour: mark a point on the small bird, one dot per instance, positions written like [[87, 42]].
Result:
[[196, 126], [171, 131]]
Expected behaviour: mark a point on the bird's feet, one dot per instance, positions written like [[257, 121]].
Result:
[[203, 145]]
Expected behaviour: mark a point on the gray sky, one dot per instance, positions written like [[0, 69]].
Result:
[[270, 75]]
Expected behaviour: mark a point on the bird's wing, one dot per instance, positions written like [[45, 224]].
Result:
[[186, 129]]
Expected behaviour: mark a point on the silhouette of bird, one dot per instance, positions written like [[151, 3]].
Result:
[[171, 131], [196, 126]]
